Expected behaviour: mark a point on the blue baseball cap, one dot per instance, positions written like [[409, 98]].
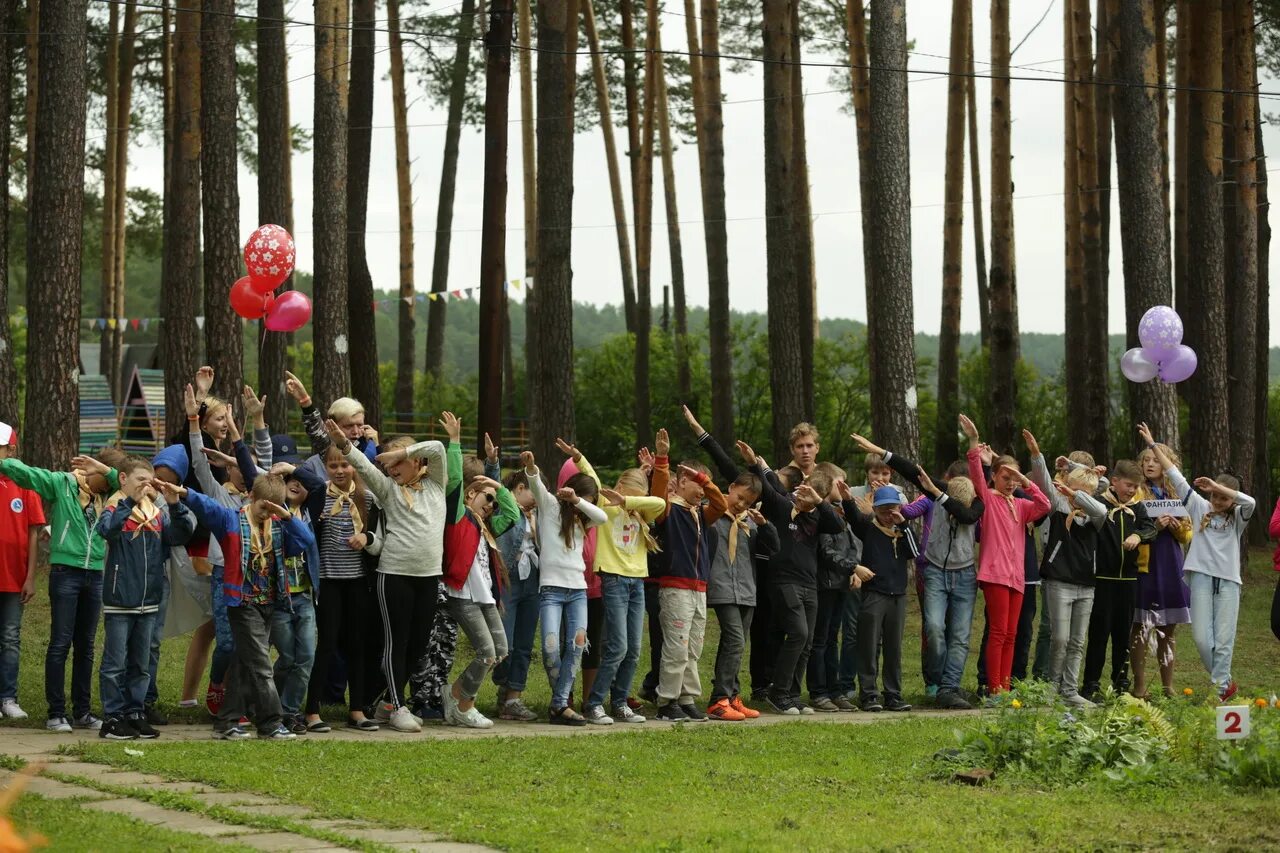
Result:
[[284, 449], [886, 496]]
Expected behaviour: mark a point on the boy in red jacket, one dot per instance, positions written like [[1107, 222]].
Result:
[[21, 517]]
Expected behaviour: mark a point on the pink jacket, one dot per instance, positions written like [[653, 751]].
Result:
[[1274, 532], [1004, 540]]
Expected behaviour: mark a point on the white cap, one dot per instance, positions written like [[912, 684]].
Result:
[[8, 435]]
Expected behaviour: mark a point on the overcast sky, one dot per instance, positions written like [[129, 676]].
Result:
[[1037, 169]]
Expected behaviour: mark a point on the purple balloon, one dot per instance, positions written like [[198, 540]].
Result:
[[1137, 366], [290, 313], [1180, 366], [1160, 330]]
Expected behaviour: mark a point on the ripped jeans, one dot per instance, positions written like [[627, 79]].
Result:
[[563, 612], [483, 626]]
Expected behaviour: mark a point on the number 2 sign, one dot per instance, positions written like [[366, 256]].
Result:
[[1233, 722]]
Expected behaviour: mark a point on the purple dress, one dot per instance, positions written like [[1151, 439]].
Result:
[[1163, 595]]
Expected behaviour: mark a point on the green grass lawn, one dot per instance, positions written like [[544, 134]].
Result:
[[1257, 658], [72, 829]]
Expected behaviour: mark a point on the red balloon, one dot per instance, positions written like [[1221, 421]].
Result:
[[291, 312], [248, 302], [269, 256]]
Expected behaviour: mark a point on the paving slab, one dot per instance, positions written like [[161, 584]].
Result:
[[282, 810], [286, 841], [57, 790], [229, 798], [170, 819]]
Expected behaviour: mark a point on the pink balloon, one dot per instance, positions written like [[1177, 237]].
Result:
[[290, 313], [269, 255], [1180, 366], [1137, 367]]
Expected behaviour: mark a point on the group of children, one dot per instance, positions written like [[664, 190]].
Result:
[[409, 543]]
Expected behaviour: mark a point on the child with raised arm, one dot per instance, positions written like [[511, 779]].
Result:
[[1163, 597], [73, 501], [412, 497], [1213, 563], [345, 412], [18, 551], [1127, 528], [563, 521], [1001, 574], [1068, 567], [621, 562], [519, 602], [138, 535]]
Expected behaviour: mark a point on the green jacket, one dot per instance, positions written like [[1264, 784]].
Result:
[[73, 541]]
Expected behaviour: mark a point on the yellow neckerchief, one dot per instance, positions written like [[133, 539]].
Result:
[[414, 485], [346, 500], [737, 523], [693, 511], [484, 528], [232, 489], [646, 538], [261, 540], [893, 533], [88, 496], [144, 512], [1010, 500], [1118, 507], [1208, 517]]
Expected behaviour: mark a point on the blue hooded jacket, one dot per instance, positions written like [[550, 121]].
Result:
[[175, 458]]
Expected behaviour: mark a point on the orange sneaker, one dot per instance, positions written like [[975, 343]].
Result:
[[747, 713], [722, 710]]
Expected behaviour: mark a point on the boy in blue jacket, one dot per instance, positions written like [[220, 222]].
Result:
[[256, 541], [138, 534]]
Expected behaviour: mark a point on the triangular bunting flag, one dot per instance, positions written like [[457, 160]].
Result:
[[422, 297], [200, 322], [408, 300], [515, 282], [433, 296], [457, 294], [146, 322], [135, 323], [111, 322], [121, 322]]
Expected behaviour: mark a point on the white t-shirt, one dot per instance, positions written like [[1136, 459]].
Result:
[[477, 587]]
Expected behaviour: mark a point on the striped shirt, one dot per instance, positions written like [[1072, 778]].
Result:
[[338, 560]]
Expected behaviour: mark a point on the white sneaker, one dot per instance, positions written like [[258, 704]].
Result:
[[58, 724], [450, 706], [471, 719], [623, 714], [10, 709], [402, 720], [597, 717]]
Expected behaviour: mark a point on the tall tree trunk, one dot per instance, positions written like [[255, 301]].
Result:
[[631, 92], [1093, 433], [550, 331], [802, 234], [860, 79], [111, 82], [123, 118], [890, 332], [644, 226], [975, 181], [33, 90], [610, 154], [329, 190], [366, 384], [1242, 300], [530, 170], [1003, 287], [8, 368], [1262, 352], [1075, 337], [1104, 73], [1162, 76], [946, 443], [275, 194], [55, 238], [493, 247], [684, 378], [786, 317], [448, 186], [220, 196], [1144, 237], [402, 401], [1205, 319], [1181, 137], [180, 266], [714, 213]]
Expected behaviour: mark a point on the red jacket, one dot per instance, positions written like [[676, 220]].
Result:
[[1273, 530]]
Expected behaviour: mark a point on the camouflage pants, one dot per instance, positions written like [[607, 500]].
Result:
[[431, 674]]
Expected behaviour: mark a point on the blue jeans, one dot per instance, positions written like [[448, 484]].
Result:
[[293, 633], [847, 674], [126, 653], [75, 602], [224, 645], [157, 636], [624, 614], [520, 602], [562, 608], [1215, 606], [949, 596], [10, 643]]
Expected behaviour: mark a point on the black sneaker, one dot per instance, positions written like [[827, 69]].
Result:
[[783, 706], [296, 724], [759, 694], [871, 703], [116, 728], [694, 713], [895, 703], [951, 700], [154, 715], [140, 725], [672, 713], [649, 694], [231, 733]]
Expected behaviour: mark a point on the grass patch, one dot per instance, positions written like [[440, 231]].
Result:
[[72, 829], [782, 787]]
